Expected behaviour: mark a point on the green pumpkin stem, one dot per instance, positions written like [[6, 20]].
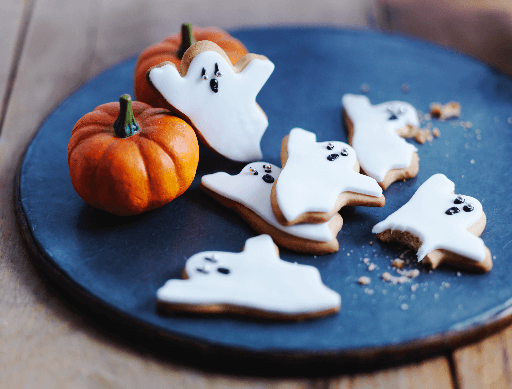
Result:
[[187, 39], [125, 124]]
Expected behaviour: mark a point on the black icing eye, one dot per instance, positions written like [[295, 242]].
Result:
[[468, 207], [253, 171], [332, 157], [268, 168], [268, 178], [452, 211], [459, 200], [205, 269], [223, 270], [344, 152], [213, 259], [203, 75], [218, 73], [330, 146]]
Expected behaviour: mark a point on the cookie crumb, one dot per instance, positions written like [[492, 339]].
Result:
[[413, 273], [404, 307], [371, 243], [472, 162], [420, 135], [436, 132], [398, 263], [365, 88], [394, 280], [415, 287], [364, 280], [366, 260], [372, 267], [447, 111]]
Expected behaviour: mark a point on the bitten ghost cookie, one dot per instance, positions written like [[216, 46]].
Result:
[[218, 99], [382, 153], [318, 179], [255, 282], [248, 193], [442, 226]]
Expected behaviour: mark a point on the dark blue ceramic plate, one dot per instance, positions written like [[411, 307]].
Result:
[[117, 264]]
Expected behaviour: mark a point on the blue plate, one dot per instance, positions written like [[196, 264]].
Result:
[[114, 265]]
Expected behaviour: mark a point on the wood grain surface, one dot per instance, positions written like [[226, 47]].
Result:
[[49, 48]]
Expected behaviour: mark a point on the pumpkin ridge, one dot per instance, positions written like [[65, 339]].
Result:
[[99, 163], [83, 133], [148, 176], [174, 159]]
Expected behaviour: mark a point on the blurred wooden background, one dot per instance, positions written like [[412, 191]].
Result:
[[50, 47]]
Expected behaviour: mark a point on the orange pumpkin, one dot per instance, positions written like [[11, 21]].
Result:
[[127, 159], [172, 49]]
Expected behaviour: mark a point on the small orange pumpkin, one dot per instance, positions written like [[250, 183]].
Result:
[[129, 158], [172, 49]]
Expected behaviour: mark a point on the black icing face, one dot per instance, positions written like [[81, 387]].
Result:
[[395, 111], [467, 207], [267, 177], [334, 156], [214, 82], [209, 265]]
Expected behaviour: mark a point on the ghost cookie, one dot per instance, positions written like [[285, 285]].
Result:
[[255, 282], [441, 226], [318, 179], [217, 98], [248, 193], [381, 152]]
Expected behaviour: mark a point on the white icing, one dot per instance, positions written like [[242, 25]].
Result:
[[424, 216], [309, 182], [230, 120], [257, 279], [379, 148], [254, 193]]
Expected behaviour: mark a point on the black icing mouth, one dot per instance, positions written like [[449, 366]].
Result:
[[214, 85]]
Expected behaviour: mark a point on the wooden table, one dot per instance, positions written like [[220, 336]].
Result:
[[48, 49]]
